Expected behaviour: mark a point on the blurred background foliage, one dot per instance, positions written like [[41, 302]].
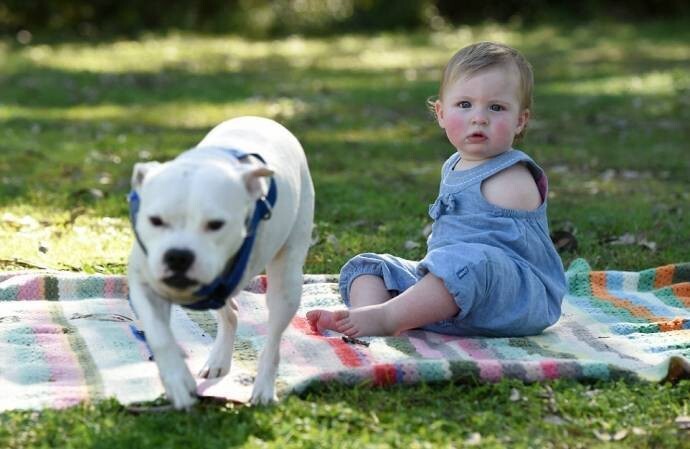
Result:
[[270, 18]]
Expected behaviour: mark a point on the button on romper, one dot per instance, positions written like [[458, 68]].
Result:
[[499, 264]]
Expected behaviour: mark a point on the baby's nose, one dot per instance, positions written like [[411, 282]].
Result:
[[480, 119]]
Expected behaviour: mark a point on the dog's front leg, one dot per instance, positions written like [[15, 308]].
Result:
[[218, 363], [282, 298], [154, 314]]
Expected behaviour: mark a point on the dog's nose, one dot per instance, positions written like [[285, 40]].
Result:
[[178, 260]]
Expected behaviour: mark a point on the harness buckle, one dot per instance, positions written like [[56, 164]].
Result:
[[268, 207]]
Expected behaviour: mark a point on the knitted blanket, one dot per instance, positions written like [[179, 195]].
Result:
[[66, 338]]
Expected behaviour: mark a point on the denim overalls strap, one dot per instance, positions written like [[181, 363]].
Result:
[[462, 189], [461, 179]]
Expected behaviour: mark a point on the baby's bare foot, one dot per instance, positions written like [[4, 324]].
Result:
[[366, 321], [321, 320]]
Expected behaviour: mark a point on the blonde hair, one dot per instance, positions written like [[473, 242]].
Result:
[[474, 58]]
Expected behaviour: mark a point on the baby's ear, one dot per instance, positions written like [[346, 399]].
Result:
[[141, 169], [523, 118], [438, 112], [253, 181]]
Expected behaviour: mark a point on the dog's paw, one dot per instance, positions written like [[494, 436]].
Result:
[[263, 394], [218, 363], [180, 388], [211, 370]]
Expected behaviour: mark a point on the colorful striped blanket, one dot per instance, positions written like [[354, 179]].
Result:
[[68, 337]]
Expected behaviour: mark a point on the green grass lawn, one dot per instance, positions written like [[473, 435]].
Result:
[[611, 126]]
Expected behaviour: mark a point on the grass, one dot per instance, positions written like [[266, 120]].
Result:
[[610, 127], [508, 414]]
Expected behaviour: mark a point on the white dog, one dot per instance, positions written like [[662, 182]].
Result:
[[205, 224]]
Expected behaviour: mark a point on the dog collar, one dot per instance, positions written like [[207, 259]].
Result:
[[215, 294]]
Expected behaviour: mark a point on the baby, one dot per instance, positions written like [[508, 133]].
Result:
[[490, 268]]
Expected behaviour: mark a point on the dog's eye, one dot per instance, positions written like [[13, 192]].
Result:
[[156, 221], [215, 225]]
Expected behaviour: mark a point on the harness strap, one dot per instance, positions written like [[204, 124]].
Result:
[[134, 203]]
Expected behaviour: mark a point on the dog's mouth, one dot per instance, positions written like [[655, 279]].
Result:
[[179, 281]]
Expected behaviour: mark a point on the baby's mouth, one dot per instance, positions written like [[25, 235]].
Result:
[[476, 137]]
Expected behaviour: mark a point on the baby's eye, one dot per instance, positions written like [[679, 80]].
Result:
[[496, 107], [464, 104]]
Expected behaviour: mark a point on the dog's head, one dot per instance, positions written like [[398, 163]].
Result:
[[192, 219]]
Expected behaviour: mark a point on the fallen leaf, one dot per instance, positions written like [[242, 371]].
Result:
[[105, 179], [559, 169], [74, 214], [474, 439], [555, 419], [632, 239], [625, 239], [24, 223], [647, 244], [618, 436], [608, 175], [564, 240], [592, 393], [683, 422], [92, 194], [333, 241], [606, 436], [514, 395], [631, 174], [410, 244], [603, 436]]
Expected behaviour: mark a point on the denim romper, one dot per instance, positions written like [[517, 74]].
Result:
[[499, 264]]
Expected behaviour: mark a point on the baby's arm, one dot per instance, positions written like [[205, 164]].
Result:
[[512, 188]]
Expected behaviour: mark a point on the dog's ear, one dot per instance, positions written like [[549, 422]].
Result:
[[140, 171], [253, 181]]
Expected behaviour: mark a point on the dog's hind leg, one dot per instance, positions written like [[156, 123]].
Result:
[[282, 299], [284, 292], [220, 358]]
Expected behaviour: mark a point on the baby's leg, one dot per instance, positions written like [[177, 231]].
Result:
[[366, 290], [426, 302]]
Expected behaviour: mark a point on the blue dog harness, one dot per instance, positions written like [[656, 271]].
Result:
[[215, 294]]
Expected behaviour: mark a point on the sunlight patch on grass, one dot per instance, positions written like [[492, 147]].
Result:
[[384, 52], [391, 51], [605, 50], [211, 54], [178, 114], [457, 38], [58, 240], [388, 133], [199, 54], [193, 53], [654, 83]]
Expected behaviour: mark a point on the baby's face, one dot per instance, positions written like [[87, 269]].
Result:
[[481, 114]]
